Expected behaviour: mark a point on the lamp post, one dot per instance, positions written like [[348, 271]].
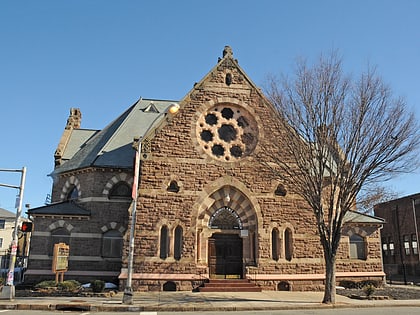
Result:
[[128, 290], [9, 289]]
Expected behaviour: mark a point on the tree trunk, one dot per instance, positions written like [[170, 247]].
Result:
[[329, 291]]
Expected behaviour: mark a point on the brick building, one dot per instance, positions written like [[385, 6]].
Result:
[[206, 208], [400, 248]]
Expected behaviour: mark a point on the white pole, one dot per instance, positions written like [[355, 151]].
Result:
[[9, 289], [128, 291]]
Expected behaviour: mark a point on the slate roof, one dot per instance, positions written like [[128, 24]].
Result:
[[68, 208], [112, 146], [5, 214], [357, 217]]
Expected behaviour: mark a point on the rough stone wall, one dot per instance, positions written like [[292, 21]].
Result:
[[85, 232], [175, 154]]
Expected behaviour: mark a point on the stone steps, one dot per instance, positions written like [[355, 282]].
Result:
[[229, 285]]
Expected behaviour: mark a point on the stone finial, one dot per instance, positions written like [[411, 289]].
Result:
[[75, 119], [227, 51]]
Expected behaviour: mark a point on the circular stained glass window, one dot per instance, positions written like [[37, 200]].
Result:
[[227, 132]]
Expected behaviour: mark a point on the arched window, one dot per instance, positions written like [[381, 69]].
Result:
[[164, 242], [275, 248], [112, 243], [73, 193], [288, 244], [120, 190], [357, 247], [178, 243], [59, 235]]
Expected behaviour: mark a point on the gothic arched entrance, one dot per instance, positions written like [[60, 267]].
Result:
[[225, 256], [225, 246]]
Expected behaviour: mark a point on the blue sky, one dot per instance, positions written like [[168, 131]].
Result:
[[101, 56]]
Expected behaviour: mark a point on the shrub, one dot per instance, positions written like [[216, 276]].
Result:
[[369, 290], [69, 285], [46, 284], [97, 286]]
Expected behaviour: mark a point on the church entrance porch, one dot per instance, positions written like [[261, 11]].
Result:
[[225, 256]]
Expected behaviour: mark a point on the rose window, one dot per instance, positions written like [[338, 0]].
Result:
[[227, 132]]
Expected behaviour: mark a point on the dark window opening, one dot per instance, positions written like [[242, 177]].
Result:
[[218, 150], [211, 119], [288, 244], [164, 242], [73, 193], [280, 191], [228, 79], [178, 243], [227, 113], [169, 286], [275, 249], [227, 133], [206, 135], [242, 122], [120, 190], [357, 247], [236, 151], [112, 243], [173, 187]]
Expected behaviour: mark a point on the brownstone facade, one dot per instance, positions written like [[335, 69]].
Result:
[[206, 208]]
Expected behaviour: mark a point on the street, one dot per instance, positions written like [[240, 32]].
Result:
[[335, 311]]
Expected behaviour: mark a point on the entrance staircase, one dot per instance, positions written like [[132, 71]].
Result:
[[229, 285]]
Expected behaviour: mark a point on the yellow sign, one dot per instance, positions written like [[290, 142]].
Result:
[[60, 257]]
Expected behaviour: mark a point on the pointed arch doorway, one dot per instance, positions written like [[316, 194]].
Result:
[[225, 246], [225, 256]]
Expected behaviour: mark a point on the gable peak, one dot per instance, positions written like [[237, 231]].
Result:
[[227, 51]]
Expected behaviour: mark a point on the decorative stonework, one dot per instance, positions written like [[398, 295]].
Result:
[[227, 132], [68, 186]]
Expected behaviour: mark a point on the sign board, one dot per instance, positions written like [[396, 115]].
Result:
[[60, 257]]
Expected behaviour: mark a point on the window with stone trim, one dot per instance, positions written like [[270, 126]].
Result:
[[2, 224], [275, 244], [120, 190], [357, 247], [227, 132], [73, 193], [164, 242], [112, 243], [178, 243], [59, 235], [288, 244]]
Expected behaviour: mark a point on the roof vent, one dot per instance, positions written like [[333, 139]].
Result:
[[151, 108]]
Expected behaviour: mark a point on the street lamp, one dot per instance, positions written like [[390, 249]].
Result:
[[9, 289], [137, 146]]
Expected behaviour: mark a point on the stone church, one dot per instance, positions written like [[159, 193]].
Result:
[[206, 208]]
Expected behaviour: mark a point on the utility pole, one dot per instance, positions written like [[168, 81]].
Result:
[[9, 289]]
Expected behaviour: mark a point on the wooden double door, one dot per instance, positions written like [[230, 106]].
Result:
[[225, 256]]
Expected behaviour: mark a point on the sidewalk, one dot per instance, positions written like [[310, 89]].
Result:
[[197, 301]]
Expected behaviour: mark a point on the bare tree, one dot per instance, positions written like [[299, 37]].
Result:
[[370, 196], [342, 134]]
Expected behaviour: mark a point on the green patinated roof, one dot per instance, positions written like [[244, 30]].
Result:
[[112, 146]]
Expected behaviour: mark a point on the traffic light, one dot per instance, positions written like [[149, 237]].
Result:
[[26, 227]]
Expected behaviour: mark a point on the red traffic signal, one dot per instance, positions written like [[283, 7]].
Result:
[[26, 227]]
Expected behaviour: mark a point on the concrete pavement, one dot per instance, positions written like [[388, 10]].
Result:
[[198, 301]]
